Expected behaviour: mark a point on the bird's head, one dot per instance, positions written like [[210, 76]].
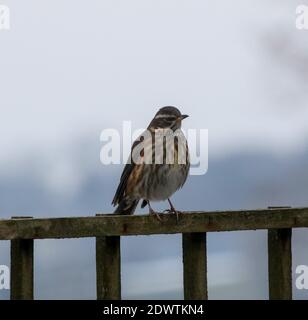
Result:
[[168, 118]]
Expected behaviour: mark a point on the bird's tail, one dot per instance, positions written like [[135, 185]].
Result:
[[126, 206]]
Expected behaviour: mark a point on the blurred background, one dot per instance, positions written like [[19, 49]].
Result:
[[71, 69]]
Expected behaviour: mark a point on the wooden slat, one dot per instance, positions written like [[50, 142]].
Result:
[[22, 268], [195, 266], [108, 268], [115, 225], [280, 264]]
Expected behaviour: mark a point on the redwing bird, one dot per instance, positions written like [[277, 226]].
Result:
[[150, 174]]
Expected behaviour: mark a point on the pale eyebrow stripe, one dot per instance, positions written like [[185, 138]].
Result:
[[159, 116]]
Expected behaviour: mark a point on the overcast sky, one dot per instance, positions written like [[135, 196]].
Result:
[[72, 68], [69, 69]]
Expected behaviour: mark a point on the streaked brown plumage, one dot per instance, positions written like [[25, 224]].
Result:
[[151, 174]]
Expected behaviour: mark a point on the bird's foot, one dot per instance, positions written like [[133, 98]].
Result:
[[151, 212], [174, 211]]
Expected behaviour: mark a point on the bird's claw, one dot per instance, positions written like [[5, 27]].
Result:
[[172, 210], [156, 214]]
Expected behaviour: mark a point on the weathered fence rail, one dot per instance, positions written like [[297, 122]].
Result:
[[108, 228]]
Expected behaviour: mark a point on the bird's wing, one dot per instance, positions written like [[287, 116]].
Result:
[[122, 185], [186, 168], [128, 169]]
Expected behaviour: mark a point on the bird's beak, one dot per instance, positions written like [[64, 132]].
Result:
[[184, 116]]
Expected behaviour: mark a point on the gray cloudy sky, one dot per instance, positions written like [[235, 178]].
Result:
[[70, 69]]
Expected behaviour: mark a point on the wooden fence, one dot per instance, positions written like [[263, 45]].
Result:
[[107, 229]]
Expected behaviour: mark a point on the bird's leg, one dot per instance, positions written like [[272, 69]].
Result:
[[173, 210], [151, 211]]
